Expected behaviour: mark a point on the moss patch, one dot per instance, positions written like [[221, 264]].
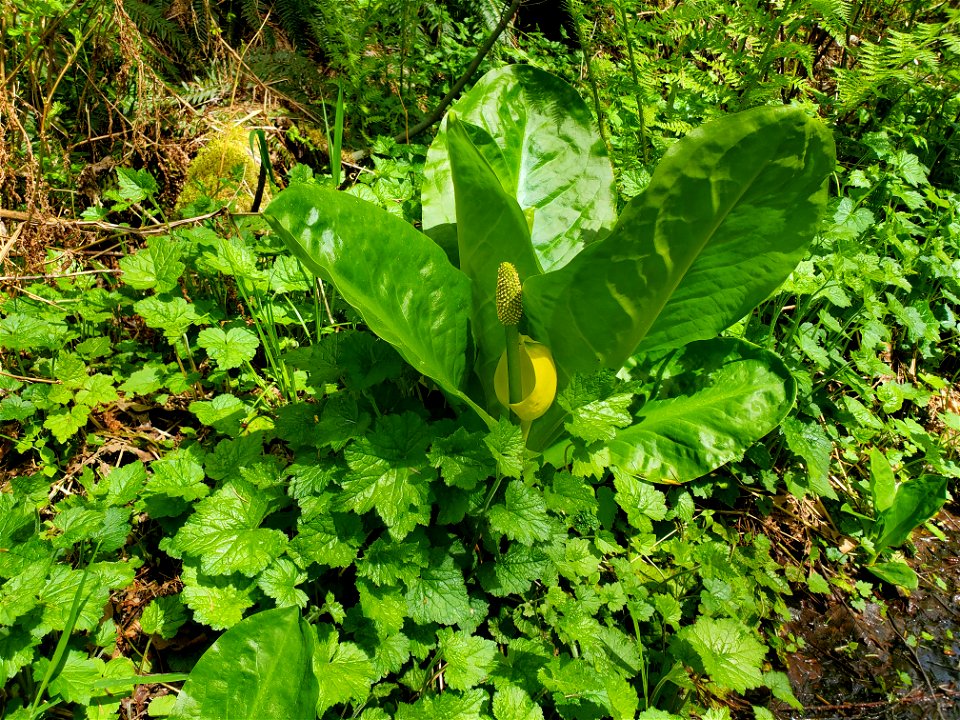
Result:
[[224, 171]]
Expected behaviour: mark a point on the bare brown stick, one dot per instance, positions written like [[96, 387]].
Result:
[[158, 229], [12, 238], [23, 378], [458, 86], [914, 698]]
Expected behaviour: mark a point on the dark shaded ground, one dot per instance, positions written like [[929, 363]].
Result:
[[855, 664]]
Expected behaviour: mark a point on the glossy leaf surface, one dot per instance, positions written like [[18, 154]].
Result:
[[883, 484], [915, 502], [728, 214], [716, 398], [401, 283], [261, 668], [491, 230], [547, 154], [896, 572]]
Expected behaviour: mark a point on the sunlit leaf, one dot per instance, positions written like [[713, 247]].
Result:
[[163, 616], [224, 532], [730, 654], [230, 348], [399, 280], [542, 142], [439, 595], [728, 214], [718, 398], [262, 668], [343, 670]]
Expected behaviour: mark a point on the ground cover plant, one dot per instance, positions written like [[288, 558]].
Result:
[[282, 464]]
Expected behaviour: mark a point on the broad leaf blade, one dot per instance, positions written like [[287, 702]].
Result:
[[916, 501], [260, 668], [491, 229], [387, 473], [401, 283], [883, 484], [896, 572], [547, 154], [469, 658], [719, 397], [811, 443], [225, 534], [439, 595], [728, 214]]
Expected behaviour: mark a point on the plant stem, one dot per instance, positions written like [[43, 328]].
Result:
[[491, 494], [575, 7], [628, 38], [143, 657], [514, 375]]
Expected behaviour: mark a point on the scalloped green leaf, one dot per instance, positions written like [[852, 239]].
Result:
[[224, 532], [731, 654], [156, 266], [229, 348]]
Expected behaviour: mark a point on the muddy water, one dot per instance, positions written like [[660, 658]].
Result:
[[898, 659]]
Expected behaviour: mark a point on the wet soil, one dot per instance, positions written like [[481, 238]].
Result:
[[895, 659]]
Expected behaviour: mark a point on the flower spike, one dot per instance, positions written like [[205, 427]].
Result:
[[509, 295]]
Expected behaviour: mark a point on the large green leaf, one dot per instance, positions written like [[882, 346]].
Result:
[[261, 668], [915, 502], [715, 399], [491, 230], [728, 214], [896, 572], [402, 284], [883, 483], [547, 154]]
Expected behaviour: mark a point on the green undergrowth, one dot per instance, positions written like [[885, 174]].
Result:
[[205, 431], [216, 416], [159, 439]]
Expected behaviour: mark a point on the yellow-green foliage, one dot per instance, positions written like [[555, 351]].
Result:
[[224, 170]]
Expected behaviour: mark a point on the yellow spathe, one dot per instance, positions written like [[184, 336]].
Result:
[[538, 380]]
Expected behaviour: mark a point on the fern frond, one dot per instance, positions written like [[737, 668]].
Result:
[[290, 15], [150, 19], [832, 15], [201, 22], [901, 58], [250, 11], [199, 93], [291, 72], [674, 126]]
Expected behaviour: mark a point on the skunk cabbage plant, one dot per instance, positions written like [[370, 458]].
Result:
[[519, 176]]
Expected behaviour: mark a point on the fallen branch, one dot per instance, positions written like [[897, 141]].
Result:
[[158, 229], [914, 698], [24, 378]]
